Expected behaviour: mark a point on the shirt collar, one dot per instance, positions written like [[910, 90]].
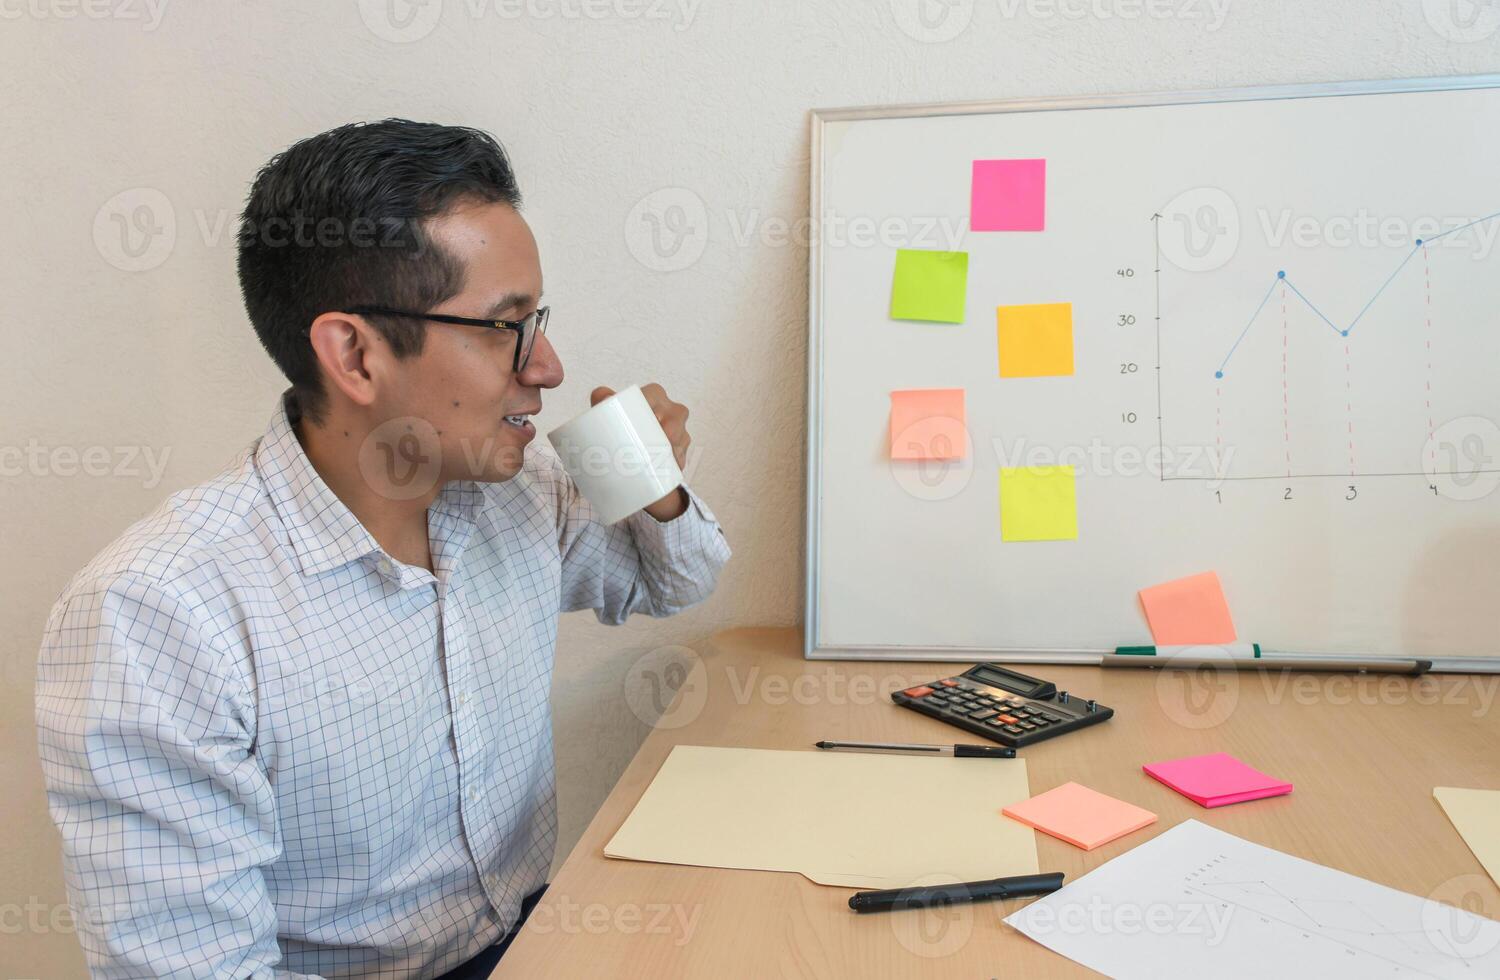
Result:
[[324, 532]]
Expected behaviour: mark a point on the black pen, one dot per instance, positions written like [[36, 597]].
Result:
[[970, 891], [962, 751]]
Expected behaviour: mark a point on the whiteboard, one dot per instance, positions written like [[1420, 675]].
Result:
[[1325, 440]]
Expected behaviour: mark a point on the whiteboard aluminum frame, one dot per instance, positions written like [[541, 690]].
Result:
[[812, 648]]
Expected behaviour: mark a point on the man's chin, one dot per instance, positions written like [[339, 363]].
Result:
[[504, 465]]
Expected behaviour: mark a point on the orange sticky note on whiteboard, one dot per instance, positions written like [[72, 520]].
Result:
[[1188, 612], [1035, 340], [1081, 816], [928, 423]]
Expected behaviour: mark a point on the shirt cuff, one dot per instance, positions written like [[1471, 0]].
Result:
[[695, 528]]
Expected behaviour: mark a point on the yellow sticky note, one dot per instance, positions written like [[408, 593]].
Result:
[[929, 285], [1038, 503], [1035, 340], [928, 424]]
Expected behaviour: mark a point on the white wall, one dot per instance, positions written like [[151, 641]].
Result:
[[608, 107]]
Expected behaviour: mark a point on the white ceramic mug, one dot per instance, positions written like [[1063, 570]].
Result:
[[618, 455]]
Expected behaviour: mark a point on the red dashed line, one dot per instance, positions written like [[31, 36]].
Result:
[[1349, 406], [1431, 427], [1286, 407]]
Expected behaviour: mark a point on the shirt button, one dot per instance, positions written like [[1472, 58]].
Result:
[[463, 698], [475, 793], [386, 568]]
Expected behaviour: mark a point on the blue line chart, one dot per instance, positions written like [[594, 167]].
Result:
[[1281, 279]]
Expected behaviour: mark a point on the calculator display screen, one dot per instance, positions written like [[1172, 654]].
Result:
[[986, 674]]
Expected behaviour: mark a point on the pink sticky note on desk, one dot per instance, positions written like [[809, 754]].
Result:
[[1216, 780], [1008, 195], [928, 423], [1188, 612], [1081, 816]]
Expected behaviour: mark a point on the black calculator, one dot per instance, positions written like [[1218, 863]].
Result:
[[1002, 705]]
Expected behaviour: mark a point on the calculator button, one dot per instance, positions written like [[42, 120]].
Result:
[[1013, 730], [917, 692], [1025, 726], [1009, 719], [1050, 717], [950, 682], [982, 714], [995, 721]]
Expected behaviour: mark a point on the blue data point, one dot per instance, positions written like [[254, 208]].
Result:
[[1218, 374], [1281, 274], [1343, 333], [1419, 242]]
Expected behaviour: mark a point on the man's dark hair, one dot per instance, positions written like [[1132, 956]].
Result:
[[338, 220]]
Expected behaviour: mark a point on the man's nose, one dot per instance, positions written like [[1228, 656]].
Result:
[[543, 369]]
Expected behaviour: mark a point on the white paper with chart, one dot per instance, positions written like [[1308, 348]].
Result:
[[1198, 902]]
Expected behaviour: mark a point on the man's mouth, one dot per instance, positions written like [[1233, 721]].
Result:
[[522, 422]]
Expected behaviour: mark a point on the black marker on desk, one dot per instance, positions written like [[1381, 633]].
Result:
[[971, 891], [962, 751]]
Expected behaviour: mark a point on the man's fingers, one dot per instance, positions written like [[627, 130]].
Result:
[[599, 394]]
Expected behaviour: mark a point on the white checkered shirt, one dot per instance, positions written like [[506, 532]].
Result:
[[274, 750]]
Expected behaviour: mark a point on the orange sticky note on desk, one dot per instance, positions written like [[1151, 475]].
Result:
[[928, 423], [1188, 612], [1081, 816]]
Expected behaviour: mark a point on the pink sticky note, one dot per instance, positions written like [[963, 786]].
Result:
[[1081, 816], [1216, 780], [928, 423], [1008, 195], [1188, 611]]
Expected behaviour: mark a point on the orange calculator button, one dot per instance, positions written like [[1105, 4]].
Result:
[[917, 692], [1008, 719], [950, 682]]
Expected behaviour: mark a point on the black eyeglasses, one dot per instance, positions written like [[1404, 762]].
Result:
[[527, 328]]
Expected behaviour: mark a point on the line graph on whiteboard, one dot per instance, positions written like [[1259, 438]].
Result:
[[1341, 347]]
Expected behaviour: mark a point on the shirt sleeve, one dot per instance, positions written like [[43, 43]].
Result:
[[640, 565], [145, 733]]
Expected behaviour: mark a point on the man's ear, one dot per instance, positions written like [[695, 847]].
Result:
[[353, 355]]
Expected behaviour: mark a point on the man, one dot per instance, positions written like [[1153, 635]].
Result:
[[296, 722]]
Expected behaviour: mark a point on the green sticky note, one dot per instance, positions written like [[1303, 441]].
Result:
[[1038, 503], [929, 285]]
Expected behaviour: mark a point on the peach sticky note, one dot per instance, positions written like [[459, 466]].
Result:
[[1008, 195], [1083, 817], [1188, 612], [1038, 503], [1218, 779], [1035, 340], [928, 423], [929, 285]]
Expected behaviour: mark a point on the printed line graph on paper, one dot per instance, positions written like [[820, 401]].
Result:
[[1359, 932]]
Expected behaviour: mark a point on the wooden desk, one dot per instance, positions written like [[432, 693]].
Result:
[[1364, 754]]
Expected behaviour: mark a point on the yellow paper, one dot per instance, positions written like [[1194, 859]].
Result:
[[1038, 503], [1035, 340], [929, 285], [1476, 816], [839, 818]]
